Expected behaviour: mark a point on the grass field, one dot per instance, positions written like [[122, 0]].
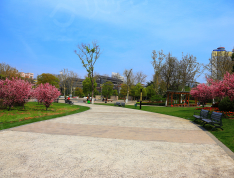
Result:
[[34, 112], [226, 136]]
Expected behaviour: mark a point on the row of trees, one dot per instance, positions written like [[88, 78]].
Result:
[[173, 74], [17, 91]]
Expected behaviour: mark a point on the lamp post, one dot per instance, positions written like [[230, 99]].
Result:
[[140, 98]]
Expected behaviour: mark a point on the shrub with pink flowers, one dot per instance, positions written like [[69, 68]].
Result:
[[46, 94], [19, 91], [222, 89], [15, 91], [202, 92]]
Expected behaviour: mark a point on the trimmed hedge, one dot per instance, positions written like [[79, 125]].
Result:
[[156, 104]]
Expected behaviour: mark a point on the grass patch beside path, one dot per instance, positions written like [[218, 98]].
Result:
[[35, 112], [226, 136]]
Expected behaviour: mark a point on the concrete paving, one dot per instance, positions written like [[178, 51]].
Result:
[[108, 141]]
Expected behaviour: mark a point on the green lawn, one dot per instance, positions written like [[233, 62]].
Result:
[[226, 136], [34, 112]]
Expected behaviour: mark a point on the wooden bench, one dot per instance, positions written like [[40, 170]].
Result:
[[178, 105], [109, 100], [215, 120], [202, 115], [192, 104]]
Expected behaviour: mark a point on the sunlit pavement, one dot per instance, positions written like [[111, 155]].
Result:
[[108, 141]]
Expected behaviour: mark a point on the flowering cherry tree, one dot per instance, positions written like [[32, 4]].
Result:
[[15, 91], [46, 94], [223, 88], [203, 92]]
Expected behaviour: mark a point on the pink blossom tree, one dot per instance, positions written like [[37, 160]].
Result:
[[46, 94], [203, 92], [223, 88], [228, 82], [15, 91], [37, 93]]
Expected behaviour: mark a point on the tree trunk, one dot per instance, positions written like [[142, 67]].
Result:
[[64, 91], [127, 95], [92, 86], [23, 105]]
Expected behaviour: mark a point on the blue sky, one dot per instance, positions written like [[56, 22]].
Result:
[[40, 36]]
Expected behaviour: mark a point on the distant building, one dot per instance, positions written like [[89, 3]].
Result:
[[118, 76], [27, 75], [217, 54], [100, 79]]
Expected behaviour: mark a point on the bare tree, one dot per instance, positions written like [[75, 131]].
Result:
[[129, 80], [219, 65], [169, 70], [8, 71], [140, 77], [64, 73], [72, 78], [88, 56], [189, 70], [157, 65]]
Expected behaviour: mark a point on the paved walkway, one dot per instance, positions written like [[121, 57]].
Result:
[[108, 141]]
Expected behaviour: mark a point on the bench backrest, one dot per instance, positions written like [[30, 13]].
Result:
[[204, 113], [216, 117], [117, 103], [122, 104]]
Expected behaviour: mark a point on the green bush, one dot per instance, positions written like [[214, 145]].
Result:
[[156, 104], [157, 98], [226, 105], [2, 106]]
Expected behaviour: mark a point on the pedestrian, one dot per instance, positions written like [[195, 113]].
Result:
[[65, 99], [68, 99]]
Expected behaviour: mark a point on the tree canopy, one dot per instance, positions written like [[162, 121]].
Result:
[[48, 78], [6, 71], [124, 90], [107, 89], [87, 86], [88, 56], [79, 92]]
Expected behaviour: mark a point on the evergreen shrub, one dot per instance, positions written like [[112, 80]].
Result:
[[226, 105]]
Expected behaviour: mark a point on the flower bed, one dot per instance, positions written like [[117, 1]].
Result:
[[228, 114]]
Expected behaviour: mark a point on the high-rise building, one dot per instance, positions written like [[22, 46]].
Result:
[[218, 56]]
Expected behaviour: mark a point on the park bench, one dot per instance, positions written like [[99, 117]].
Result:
[[215, 120], [56, 100], [192, 104], [119, 104], [178, 105], [68, 101], [109, 100], [202, 115]]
